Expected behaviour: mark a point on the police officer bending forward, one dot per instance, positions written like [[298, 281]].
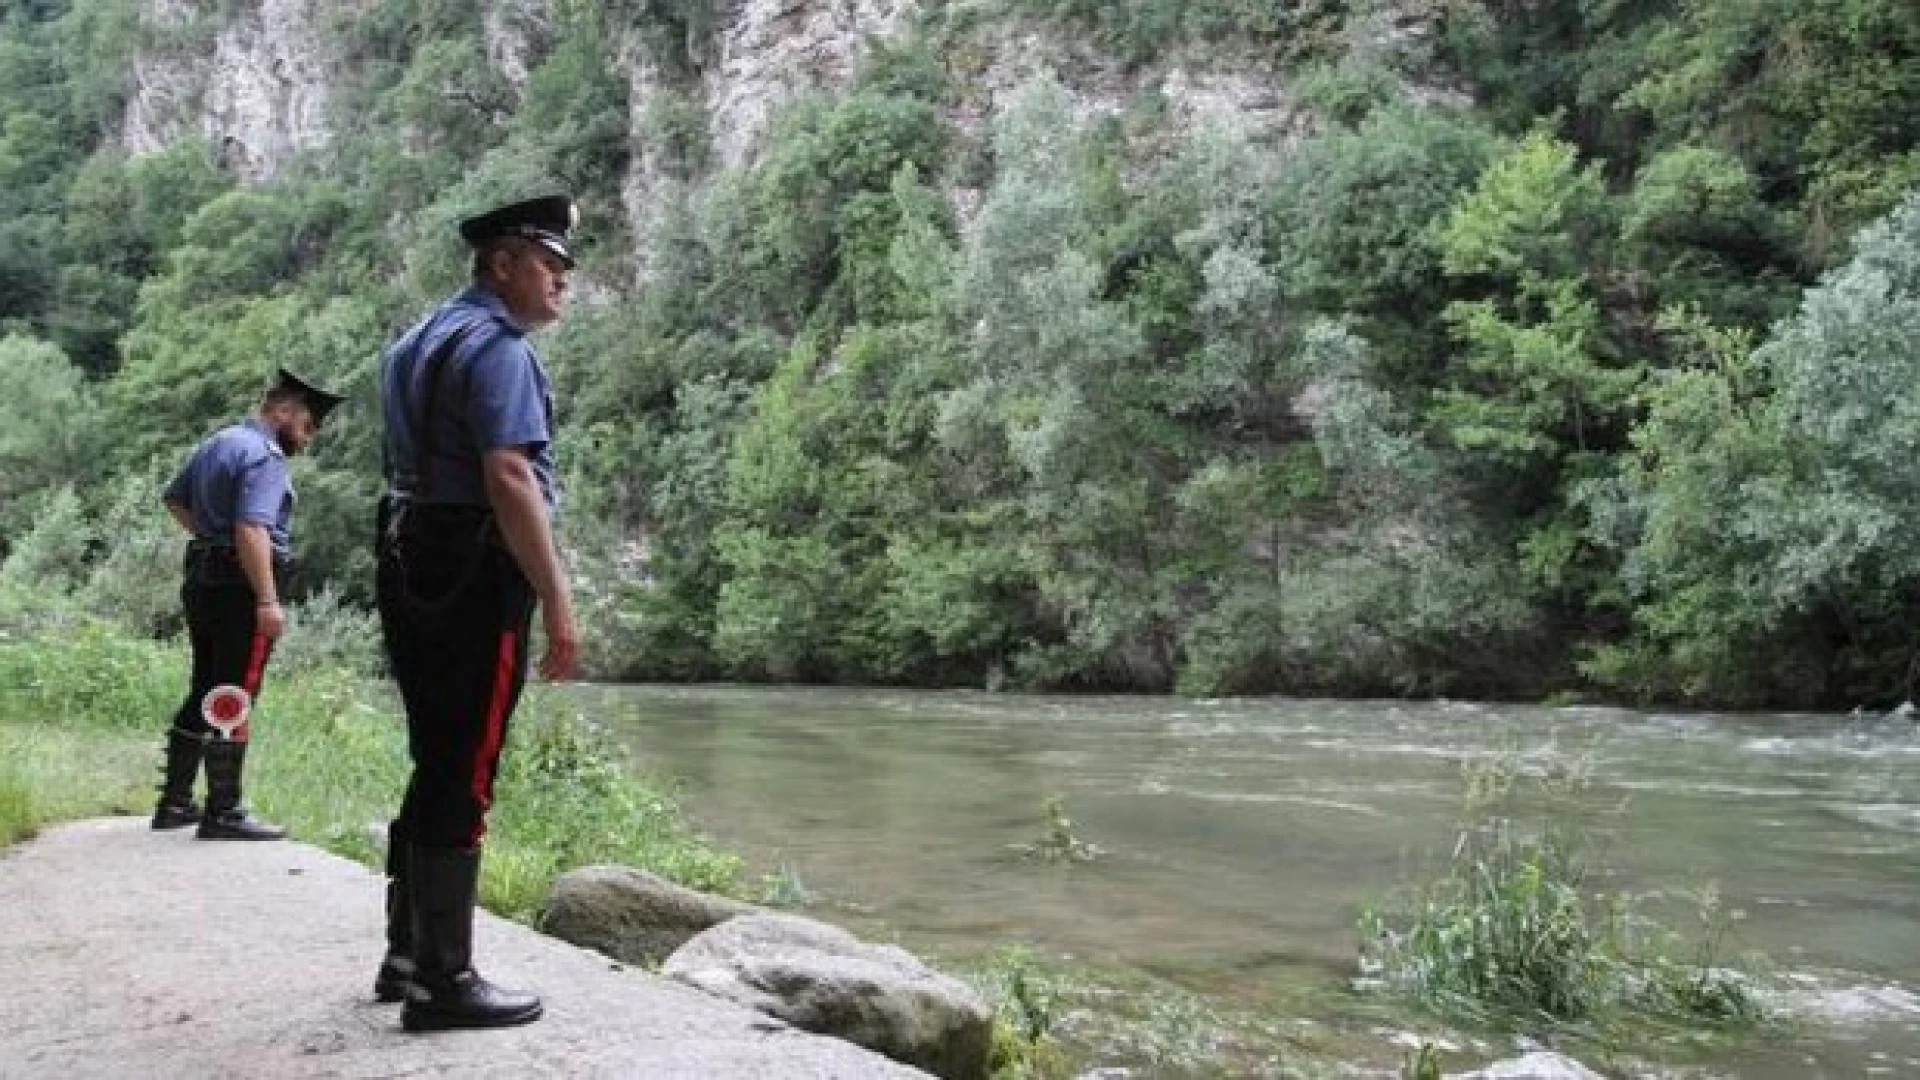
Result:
[[235, 498], [466, 552]]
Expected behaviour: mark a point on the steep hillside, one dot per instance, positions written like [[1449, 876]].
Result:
[[1226, 345]]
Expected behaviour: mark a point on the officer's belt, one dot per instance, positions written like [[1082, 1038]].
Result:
[[214, 549], [440, 522], [211, 563]]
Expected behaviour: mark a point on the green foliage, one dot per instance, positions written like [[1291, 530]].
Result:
[[1697, 233], [1139, 29], [1049, 400], [50, 433], [575, 116], [1058, 843], [567, 799], [324, 631], [55, 551], [818, 196], [135, 578], [122, 215], [1803, 95], [67, 668], [1822, 106], [1026, 1016], [1355, 210], [83, 698], [49, 774], [1761, 511]]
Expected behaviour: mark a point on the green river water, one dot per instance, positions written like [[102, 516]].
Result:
[[1242, 838]]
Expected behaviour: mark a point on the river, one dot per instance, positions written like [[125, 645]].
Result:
[[1242, 838]]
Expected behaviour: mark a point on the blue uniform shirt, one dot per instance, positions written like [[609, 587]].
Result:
[[493, 393], [237, 475]]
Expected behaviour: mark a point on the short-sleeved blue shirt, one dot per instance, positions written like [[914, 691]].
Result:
[[493, 393], [237, 475]]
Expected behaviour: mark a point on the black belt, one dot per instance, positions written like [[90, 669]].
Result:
[[403, 516], [209, 563]]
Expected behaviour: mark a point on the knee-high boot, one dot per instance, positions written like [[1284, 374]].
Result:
[[176, 808], [446, 992], [390, 983], [226, 819]]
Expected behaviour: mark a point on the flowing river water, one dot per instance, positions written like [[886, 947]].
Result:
[[1241, 839]]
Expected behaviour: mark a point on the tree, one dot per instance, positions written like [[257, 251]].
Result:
[[50, 430], [1538, 381], [1763, 511]]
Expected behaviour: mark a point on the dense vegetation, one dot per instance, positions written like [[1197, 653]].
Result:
[[1572, 348]]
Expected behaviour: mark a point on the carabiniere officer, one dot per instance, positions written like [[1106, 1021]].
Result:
[[235, 498], [466, 552]]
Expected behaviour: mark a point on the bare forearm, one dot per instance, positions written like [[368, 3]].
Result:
[[521, 512], [255, 550]]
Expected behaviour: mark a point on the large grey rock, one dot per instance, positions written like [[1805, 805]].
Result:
[[1539, 1065], [823, 979], [630, 914]]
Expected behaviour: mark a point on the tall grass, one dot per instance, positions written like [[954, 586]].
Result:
[[49, 774], [1511, 933], [84, 707]]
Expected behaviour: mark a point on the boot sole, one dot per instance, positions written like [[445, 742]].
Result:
[[390, 987], [205, 835], [418, 1020]]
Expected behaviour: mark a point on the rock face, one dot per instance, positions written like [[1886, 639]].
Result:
[[629, 914], [256, 85], [772, 51], [822, 979], [254, 77], [259, 91]]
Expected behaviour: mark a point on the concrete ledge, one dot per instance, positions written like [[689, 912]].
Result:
[[128, 952]]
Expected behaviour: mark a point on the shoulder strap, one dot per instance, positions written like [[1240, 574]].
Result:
[[436, 362]]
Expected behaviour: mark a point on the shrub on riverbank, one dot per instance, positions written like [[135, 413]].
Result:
[[1511, 934], [83, 706]]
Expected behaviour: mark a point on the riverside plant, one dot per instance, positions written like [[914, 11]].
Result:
[[1058, 841], [1509, 934], [1027, 1003]]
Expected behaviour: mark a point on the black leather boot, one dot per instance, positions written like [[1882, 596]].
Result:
[[176, 808], [390, 983], [226, 819], [446, 992]]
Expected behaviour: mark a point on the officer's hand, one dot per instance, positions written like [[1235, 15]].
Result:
[[269, 619], [563, 645]]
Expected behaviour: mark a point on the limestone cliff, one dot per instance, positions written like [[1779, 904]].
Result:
[[255, 84], [255, 76]]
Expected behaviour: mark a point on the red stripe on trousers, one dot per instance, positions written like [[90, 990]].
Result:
[[256, 664], [490, 739]]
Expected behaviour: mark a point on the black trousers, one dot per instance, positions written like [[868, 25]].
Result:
[[228, 651], [454, 611]]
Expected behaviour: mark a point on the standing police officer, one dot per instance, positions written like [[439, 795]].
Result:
[[466, 552], [235, 498]]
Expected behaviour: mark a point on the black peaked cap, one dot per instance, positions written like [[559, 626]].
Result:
[[546, 221], [319, 402]]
